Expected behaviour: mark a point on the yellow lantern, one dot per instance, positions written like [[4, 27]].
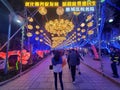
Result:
[[76, 13], [41, 31], [90, 24], [44, 34], [78, 39], [78, 34], [30, 27], [59, 27], [42, 10], [29, 34], [37, 32], [52, 35], [78, 29], [41, 40], [89, 17], [60, 11], [30, 19], [83, 30], [37, 26], [90, 32], [36, 38], [83, 36], [82, 25]]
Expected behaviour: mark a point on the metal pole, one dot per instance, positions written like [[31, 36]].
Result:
[[17, 30], [8, 44], [21, 53], [99, 36]]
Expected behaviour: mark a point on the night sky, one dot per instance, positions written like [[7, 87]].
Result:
[[18, 7]]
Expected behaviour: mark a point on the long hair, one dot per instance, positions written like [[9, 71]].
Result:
[[56, 55]]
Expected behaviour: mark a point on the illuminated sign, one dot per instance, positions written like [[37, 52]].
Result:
[[82, 9], [78, 3]]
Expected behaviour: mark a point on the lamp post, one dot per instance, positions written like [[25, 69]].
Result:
[[8, 44]]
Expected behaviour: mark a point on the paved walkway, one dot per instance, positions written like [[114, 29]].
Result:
[[106, 67], [41, 78]]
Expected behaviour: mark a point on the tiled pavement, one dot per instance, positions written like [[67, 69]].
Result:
[[41, 78], [102, 66]]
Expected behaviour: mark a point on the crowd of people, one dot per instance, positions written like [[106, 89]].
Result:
[[60, 59], [73, 57]]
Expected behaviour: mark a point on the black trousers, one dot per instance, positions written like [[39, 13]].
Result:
[[60, 78], [73, 72], [114, 68]]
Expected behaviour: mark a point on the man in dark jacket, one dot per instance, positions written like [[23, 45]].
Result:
[[114, 61], [73, 62]]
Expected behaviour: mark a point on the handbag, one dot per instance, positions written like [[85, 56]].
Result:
[[50, 67]]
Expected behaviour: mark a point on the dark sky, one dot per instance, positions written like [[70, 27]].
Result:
[[18, 6]]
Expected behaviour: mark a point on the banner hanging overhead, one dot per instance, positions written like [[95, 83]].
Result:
[[79, 3]]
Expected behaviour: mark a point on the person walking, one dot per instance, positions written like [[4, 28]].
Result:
[[72, 57], [57, 68], [114, 60], [79, 57]]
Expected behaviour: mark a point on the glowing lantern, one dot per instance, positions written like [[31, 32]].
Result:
[[44, 34], [90, 32], [78, 34], [76, 13], [60, 11], [59, 27], [83, 36], [29, 34], [82, 25], [42, 10], [37, 26], [41, 40], [83, 30], [41, 31], [30, 19], [37, 32], [30, 27], [78, 29], [89, 17], [52, 35], [36, 38], [78, 39], [90, 24]]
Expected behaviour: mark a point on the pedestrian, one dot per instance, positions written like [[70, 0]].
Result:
[[73, 62], [57, 68], [79, 58], [114, 61], [68, 58]]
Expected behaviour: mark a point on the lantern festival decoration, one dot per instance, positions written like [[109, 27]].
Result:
[[60, 11], [90, 24], [36, 38], [89, 17], [83, 30], [78, 29], [76, 13], [83, 36], [30, 27], [90, 32], [59, 26], [42, 10], [29, 34], [30, 19], [82, 25], [57, 40], [37, 26], [37, 32]]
